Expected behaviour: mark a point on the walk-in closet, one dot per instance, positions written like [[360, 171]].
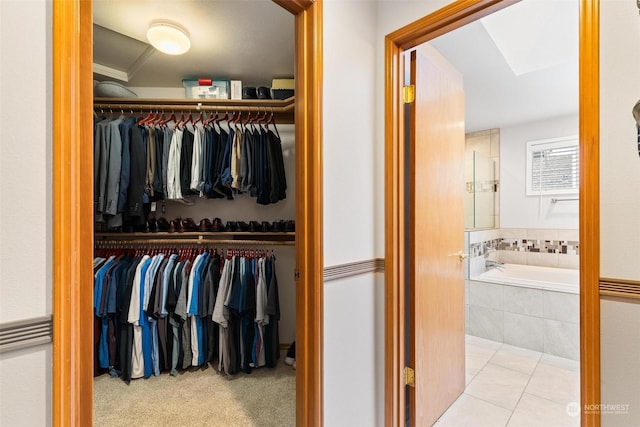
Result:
[[194, 205]]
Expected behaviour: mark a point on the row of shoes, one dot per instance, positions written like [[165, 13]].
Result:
[[182, 225]]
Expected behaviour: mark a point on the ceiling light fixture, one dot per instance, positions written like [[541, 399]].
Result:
[[168, 37]]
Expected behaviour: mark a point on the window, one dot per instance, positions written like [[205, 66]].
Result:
[[553, 166]]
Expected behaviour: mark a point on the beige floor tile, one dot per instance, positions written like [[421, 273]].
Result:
[[516, 358], [469, 411], [560, 362], [482, 342], [534, 411], [498, 385], [556, 384], [476, 357]]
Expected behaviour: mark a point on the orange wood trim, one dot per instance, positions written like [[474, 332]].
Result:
[[589, 209], [295, 7], [433, 25], [309, 260], [394, 238], [450, 17], [72, 213]]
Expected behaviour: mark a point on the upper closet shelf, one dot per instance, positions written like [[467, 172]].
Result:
[[283, 110]]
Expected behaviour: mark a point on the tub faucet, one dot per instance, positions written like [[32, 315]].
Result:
[[493, 264]]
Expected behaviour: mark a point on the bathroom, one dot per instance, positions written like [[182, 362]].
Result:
[[521, 279], [521, 175]]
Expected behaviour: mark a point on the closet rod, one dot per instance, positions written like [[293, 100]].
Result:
[[104, 243], [191, 107], [275, 105]]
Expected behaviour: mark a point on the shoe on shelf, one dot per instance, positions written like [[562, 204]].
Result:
[[174, 225], [266, 226], [153, 225], [187, 225], [205, 225], [163, 224], [243, 226], [217, 225], [255, 227]]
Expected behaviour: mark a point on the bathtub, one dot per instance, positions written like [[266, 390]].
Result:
[[532, 276], [526, 306]]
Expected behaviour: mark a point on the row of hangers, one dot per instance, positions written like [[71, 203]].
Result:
[[160, 118], [184, 253]]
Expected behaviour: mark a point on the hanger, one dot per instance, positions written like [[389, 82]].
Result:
[[170, 118], [211, 119]]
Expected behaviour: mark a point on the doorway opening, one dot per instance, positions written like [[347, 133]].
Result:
[[404, 39], [73, 207]]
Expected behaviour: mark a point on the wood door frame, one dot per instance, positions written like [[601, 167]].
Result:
[[72, 59], [433, 25]]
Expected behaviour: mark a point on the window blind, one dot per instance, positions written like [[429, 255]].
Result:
[[553, 167]]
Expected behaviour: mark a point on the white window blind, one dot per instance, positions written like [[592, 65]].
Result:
[[553, 166]]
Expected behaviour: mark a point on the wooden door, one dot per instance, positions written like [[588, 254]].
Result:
[[436, 236]]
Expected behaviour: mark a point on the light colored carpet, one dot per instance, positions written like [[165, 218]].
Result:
[[266, 397]]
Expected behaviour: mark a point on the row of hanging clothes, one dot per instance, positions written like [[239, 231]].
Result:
[[139, 160], [166, 310]]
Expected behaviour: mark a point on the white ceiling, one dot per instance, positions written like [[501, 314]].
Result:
[[253, 41], [249, 40], [528, 71]]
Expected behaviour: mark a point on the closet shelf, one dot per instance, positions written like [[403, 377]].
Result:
[[283, 110], [223, 237]]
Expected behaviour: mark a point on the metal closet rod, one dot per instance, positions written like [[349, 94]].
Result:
[[156, 242], [186, 107]]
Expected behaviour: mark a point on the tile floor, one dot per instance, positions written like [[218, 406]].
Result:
[[512, 386]]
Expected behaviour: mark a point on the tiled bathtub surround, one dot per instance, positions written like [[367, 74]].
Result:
[[540, 320]]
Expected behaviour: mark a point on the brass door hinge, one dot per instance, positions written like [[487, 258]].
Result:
[[408, 94], [409, 376]]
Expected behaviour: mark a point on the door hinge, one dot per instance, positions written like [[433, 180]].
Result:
[[296, 274], [408, 94], [409, 376]]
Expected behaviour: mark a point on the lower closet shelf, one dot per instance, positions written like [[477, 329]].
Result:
[[198, 238]]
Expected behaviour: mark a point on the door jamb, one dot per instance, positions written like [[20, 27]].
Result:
[[72, 394], [433, 25]]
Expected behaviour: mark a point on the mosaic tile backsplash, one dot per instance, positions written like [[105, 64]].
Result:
[[568, 247]]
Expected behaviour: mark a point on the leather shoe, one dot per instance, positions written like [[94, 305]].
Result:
[[255, 227], [153, 225], [187, 225], [217, 225], [162, 224], [278, 226], [231, 226], [243, 226], [290, 226], [174, 225], [266, 226], [205, 225]]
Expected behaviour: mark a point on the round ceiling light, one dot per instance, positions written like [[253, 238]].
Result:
[[168, 37]]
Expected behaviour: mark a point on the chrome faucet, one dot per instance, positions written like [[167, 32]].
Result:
[[493, 264]]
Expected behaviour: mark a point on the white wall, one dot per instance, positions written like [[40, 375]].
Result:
[[25, 203], [620, 205], [517, 210], [352, 362]]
